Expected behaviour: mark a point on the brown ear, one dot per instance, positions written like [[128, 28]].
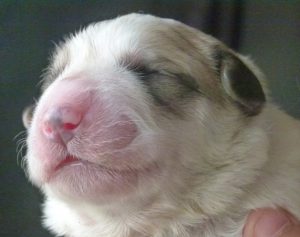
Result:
[[241, 84], [27, 116]]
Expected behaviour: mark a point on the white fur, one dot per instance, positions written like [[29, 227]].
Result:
[[217, 165]]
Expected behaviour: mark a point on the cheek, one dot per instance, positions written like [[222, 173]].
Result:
[[107, 131]]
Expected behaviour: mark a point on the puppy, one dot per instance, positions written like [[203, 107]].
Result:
[[147, 127]]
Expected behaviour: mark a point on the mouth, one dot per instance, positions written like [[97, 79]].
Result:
[[69, 160], [75, 165], [73, 161], [86, 179]]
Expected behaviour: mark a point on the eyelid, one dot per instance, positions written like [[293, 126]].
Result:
[[145, 73], [141, 70]]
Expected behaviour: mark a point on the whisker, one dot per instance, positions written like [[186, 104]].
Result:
[[20, 139], [20, 142], [20, 151], [19, 134]]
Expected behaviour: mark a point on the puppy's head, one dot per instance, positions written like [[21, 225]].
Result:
[[135, 106]]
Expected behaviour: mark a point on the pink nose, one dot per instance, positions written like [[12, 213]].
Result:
[[60, 122]]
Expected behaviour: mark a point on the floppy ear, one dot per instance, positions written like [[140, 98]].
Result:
[[27, 116], [241, 84]]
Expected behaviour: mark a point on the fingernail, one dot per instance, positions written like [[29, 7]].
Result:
[[271, 224]]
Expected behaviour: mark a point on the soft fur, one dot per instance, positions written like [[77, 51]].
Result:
[[219, 150]]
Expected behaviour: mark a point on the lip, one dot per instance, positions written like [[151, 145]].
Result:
[[71, 160], [90, 180], [67, 161]]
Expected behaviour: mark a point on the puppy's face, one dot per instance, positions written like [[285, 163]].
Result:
[[133, 106]]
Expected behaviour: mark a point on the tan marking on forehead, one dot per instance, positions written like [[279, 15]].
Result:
[[183, 50]]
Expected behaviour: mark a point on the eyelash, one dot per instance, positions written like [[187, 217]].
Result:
[[141, 70]]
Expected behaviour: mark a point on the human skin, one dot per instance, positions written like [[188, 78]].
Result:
[[272, 223]]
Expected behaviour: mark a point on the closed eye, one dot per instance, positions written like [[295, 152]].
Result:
[[135, 64], [141, 70]]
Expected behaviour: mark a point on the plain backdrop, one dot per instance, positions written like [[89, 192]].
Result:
[[268, 31]]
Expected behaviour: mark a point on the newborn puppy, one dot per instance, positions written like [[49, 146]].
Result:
[[147, 127]]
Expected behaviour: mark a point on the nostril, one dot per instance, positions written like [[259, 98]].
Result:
[[59, 123], [70, 118], [69, 126]]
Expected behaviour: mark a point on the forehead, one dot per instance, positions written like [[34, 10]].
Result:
[[107, 42], [162, 44], [142, 35]]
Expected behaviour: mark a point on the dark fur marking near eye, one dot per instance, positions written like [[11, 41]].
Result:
[[168, 90], [132, 63], [171, 90], [141, 70]]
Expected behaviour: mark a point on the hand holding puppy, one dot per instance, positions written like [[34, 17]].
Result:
[[271, 223]]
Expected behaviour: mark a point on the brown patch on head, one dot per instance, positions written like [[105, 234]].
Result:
[[178, 49], [220, 74]]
